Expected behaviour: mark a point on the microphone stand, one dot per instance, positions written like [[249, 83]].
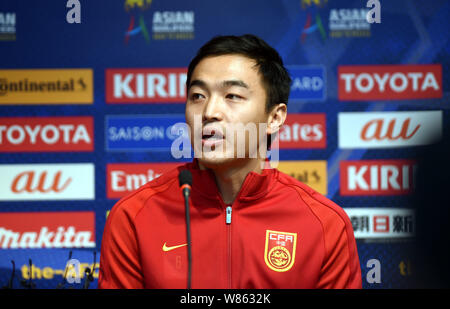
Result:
[[185, 181], [188, 234], [63, 282], [30, 284], [10, 282], [89, 273]]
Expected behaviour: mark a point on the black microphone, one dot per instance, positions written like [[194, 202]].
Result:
[[10, 283], [185, 179]]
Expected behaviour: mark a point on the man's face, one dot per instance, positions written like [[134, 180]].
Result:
[[226, 92]]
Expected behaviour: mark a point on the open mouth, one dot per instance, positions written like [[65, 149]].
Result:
[[212, 137]]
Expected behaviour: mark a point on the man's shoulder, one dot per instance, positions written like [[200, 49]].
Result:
[[323, 208]]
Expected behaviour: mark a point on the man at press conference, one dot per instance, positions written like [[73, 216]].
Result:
[[236, 223]]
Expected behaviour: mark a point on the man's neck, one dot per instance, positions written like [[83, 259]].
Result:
[[229, 179]]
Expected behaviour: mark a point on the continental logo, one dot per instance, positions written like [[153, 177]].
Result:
[[311, 173], [47, 86]]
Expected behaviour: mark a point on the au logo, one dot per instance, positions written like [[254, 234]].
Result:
[[279, 253]]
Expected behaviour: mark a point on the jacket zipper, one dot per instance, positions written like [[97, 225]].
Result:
[[228, 224]]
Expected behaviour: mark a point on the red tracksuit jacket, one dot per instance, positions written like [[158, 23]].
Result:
[[279, 234]]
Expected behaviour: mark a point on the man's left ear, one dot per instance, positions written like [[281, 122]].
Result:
[[276, 119]]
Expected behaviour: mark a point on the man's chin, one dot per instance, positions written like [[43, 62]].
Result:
[[215, 161]]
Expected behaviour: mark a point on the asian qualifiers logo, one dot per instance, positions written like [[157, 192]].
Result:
[[313, 21], [342, 21], [137, 23], [8, 26]]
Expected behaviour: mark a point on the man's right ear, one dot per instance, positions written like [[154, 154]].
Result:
[[276, 119]]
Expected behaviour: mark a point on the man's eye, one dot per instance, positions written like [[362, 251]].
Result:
[[233, 96], [197, 96]]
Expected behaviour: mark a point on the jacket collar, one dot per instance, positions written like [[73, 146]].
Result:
[[255, 186]]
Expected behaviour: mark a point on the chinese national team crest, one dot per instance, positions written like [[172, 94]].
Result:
[[279, 253]]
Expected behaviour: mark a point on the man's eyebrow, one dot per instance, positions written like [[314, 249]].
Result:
[[226, 83], [239, 83], [197, 82]]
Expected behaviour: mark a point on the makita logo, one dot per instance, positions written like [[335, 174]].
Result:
[[47, 182], [303, 131], [34, 230], [390, 82], [125, 178], [377, 177], [389, 129], [146, 85], [61, 238], [46, 134]]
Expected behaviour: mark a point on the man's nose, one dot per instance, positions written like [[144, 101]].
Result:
[[213, 109]]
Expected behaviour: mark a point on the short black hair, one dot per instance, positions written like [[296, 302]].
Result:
[[276, 79]]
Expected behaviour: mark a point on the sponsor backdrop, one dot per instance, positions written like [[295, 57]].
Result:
[[89, 111]]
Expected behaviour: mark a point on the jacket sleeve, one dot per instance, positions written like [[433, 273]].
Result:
[[340, 268], [340, 264], [120, 266]]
